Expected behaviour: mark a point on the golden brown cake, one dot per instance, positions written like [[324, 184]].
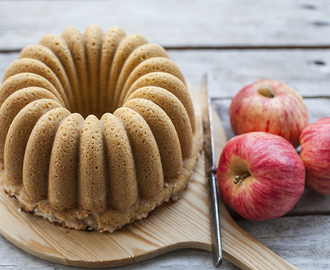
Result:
[[96, 130]]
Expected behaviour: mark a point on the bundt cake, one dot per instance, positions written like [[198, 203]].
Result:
[[96, 130]]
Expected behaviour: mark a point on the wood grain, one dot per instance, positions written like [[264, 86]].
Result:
[[302, 240], [230, 70], [184, 224], [173, 23]]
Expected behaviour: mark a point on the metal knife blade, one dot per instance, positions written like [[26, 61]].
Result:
[[210, 172]]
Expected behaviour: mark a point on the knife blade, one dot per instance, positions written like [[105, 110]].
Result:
[[210, 173]]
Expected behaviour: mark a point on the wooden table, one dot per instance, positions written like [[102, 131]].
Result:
[[236, 42]]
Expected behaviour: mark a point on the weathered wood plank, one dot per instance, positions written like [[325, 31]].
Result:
[[230, 70], [174, 23], [303, 241]]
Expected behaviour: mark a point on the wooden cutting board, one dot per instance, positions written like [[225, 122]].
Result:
[[183, 224]]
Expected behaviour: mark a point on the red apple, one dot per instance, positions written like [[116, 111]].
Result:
[[260, 175], [315, 153], [269, 106]]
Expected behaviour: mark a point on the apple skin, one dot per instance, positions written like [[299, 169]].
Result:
[[315, 153], [277, 175], [285, 114]]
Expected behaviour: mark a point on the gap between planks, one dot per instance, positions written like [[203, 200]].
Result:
[[234, 47]]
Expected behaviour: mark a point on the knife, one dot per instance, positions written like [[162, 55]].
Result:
[[210, 172]]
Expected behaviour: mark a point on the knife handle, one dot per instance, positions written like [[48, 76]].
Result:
[[215, 220]]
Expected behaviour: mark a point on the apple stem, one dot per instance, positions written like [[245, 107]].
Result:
[[266, 91], [239, 178]]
